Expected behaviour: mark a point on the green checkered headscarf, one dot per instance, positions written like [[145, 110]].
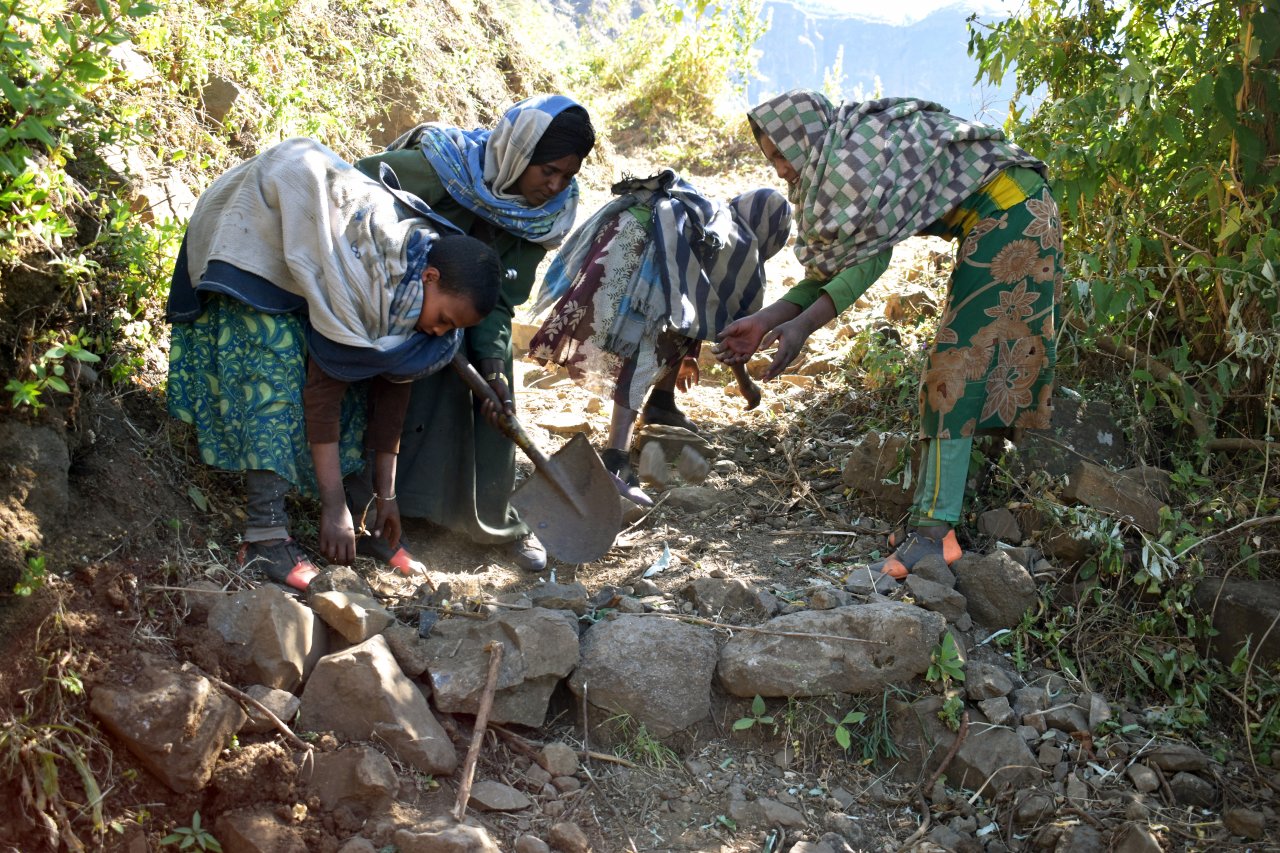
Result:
[[874, 173]]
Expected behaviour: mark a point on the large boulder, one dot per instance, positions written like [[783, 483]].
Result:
[[656, 670], [997, 588], [861, 648], [267, 637], [1242, 611], [361, 694], [869, 467], [540, 647], [992, 755], [175, 721]]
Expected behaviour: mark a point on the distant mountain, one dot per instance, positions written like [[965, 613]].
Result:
[[927, 59]]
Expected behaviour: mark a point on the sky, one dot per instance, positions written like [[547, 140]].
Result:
[[899, 11]]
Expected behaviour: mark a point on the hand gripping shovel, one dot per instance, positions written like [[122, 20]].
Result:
[[570, 502]]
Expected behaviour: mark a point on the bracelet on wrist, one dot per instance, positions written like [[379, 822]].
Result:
[[489, 377], [381, 498]]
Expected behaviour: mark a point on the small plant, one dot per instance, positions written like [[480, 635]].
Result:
[[49, 372], [948, 666], [757, 715], [33, 575], [194, 836], [841, 731], [642, 747]]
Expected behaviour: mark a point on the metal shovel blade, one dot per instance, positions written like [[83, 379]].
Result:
[[570, 534]]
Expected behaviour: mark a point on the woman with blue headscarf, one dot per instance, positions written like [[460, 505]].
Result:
[[513, 188]]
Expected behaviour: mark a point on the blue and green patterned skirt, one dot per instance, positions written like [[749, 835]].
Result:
[[237, 375]]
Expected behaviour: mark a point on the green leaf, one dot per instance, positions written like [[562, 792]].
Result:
[[742, 724], [57, 383], [197, 497], [33, 129], [757, 706], [843, 738]]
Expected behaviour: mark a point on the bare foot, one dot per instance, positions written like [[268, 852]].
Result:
[[750, 391]]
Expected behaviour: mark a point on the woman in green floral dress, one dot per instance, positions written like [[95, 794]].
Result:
[[866, 176]]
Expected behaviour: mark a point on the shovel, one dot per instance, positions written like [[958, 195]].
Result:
[[570, 502]]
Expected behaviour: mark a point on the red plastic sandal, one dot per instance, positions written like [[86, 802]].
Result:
[[282, 560]]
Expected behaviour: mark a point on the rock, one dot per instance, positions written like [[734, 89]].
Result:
[[358, 778], [693, 467], [444, 836], [985, 681], [1033, 806], [257, 830], [176, 722], [560, 596], [521, 335], [282, 703], [340, 579], [568, 838], [361, 694], [694, 498], [559, 759], [219, 95], [936, 597], [1078, 429], [997, 588], [168, 200], [356, 617], [1081, 839], [409, 650], [1144, 779], [1242, 611], [934, 568], [1189, 789], [652, 467], [1065, 716], [826, 598], [1095, 486], [540, 647], [1099, 711], [898, 639], [1246, 823], [490, 796], [268, 637], [1135, 838], [565, 423], [987, 752], [358, 845], [728, 598], [200, 596], [531, 844], [874, 458], [1000, 524], [864, 581], [945, 838], [657, 670], [996, 710], [1173, 757], [779, 814]]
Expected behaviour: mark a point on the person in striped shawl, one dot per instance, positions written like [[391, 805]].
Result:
[[642, 283], [865, 176]]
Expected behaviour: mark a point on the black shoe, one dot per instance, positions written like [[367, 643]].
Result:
[[667, 417], [527, 553]]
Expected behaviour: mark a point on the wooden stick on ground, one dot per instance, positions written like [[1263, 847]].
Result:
[[477, 737], [297, 742]]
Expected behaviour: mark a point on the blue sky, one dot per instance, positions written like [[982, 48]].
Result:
[[901, 11]]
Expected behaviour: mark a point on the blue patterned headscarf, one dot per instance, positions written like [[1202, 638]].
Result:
[[478, 166]]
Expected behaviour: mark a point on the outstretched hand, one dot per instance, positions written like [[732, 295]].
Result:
[[790, 337], [740, 339]]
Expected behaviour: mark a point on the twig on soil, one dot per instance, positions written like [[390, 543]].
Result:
[[530, 748], [642, 519], [294, 740], [698, 620], [477, 737]]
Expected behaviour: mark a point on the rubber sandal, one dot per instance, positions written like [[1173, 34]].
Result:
[[399, 559], [625, 479], [914, 548], [667, 417], [282, 560]]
